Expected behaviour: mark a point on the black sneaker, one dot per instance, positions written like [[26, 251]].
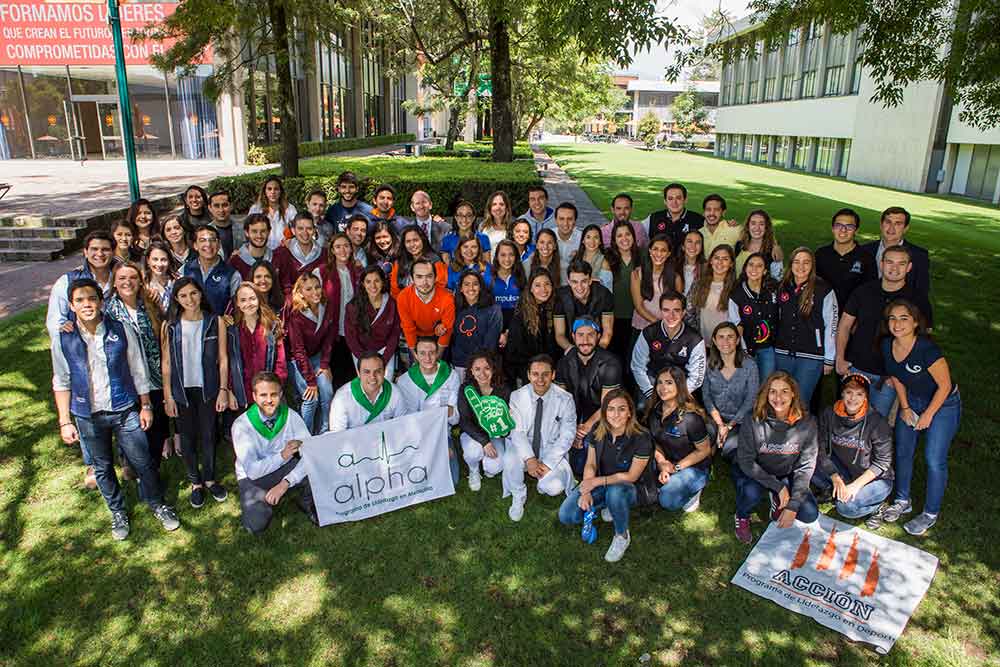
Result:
[[218, 492], [168, 517], [877, 518], [119, 525], [197, 497]]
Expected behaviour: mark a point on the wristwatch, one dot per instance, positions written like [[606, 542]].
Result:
[[147, 406]]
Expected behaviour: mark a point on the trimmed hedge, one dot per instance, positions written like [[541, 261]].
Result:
[[522, 151], [270, 154], [446, 180]]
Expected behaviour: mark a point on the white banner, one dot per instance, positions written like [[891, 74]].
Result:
[[848, 579], [378, 468]]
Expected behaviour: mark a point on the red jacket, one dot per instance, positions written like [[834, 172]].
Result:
[[243, 261], [331, 288], [289, 264], [384, 332], [306, 338], [253, 350]]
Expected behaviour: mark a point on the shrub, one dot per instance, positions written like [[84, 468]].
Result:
[[270, 154], [522, 151], [446, 180]]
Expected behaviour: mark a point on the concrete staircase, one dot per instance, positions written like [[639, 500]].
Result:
[[42, 238]]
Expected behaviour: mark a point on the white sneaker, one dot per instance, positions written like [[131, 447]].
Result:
[[606, 515], [618, 546], [693, 504], [516, 511], [475, 480]]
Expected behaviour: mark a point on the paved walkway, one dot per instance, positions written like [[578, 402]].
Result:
[[562, 188]]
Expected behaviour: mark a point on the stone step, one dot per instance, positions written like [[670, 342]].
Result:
[[36, 221], [21, 255], [54, 245], [42, 232]]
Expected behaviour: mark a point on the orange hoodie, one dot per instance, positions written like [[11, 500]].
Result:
[[420, 319]]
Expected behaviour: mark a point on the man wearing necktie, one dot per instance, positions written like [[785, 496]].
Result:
[[434, 227], [545, 419]]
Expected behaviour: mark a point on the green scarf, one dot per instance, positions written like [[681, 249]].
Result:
[[443, 372], [374, 410], [281, 418], [492, 413]]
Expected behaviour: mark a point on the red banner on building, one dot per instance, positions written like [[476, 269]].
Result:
[[36, 32]]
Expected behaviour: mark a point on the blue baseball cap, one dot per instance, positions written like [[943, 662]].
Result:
[[586, 322]]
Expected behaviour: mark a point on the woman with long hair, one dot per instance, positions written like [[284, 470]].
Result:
[[383, 246], [195, 383], [178, 236], [531, 330], [372, 320], [469, 256], [805, 345], [776, 456], [478, 320], [131, 304], [520, 234], [482, 435], [623, 257], [929, 404], [496, 221], [195, 207], [618, 451], [159, 274], [592, 251], [414, 245], [265, 279], [683, 448], [508, 282], [463, 226], [546, 256], [690, 261], [730, 388], [145, 223], [756, 298], [340, 278], [272, 201], [255, 344], [123, 233], [711, 297], [653, 277], [312, 328], [758, 236]]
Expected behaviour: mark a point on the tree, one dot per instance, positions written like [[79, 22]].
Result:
[[901, 43], [248, 34], [710, 27], [689, 114], [649, 129]]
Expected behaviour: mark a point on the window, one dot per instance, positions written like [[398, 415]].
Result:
[[800, 158], [983, 171], [835, 58], [781, 147], [856, 73], [734, 143], [824, 155], [739, 76], [845, 159], [790, 68], [810, 59], [754, 65], [748, 147], [771, 71], [764, 148]]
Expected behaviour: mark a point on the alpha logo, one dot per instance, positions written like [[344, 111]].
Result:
[[683, 352], [217, 278], [656, 345], [785, 296], [915, 368], [391, 479], [748, 309], [113, 338], [831, 597], [856, 267]]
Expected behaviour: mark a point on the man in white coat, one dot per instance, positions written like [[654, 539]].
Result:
[[266, 439], [367, 399], [545, 419]]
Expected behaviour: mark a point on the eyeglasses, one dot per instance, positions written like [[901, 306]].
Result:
[[841, 227]]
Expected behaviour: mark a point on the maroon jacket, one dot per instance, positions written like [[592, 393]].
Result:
[[384, 333], [306, 339], [289, 264], [331, 288], [243, 261]]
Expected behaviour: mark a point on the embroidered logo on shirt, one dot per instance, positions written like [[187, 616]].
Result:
[[656, 345], [113, 338], [914, 369], [785, 296], [217, 278], [683, 352], [856, 268], [748, 309]]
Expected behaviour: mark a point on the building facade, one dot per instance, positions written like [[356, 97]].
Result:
[[656, 97], [59, 95], [804, 103]]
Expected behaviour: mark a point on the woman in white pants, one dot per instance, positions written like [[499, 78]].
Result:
[[483, 417]]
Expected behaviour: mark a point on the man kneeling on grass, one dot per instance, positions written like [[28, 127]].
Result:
[[267, 438]]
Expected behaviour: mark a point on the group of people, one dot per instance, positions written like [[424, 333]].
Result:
[[610, 364]]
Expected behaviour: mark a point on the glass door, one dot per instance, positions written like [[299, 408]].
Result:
[[111, 129]]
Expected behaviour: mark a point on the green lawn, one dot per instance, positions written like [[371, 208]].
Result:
[[453, 582]]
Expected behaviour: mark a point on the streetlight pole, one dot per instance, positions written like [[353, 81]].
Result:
[[124, 105]]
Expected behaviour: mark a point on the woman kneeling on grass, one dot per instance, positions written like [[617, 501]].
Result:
[[776, 454], [618, 451]]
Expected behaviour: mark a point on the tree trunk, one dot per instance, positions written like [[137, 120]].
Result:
[[454, 114], [531, 126], [502, 116], [286, 100]]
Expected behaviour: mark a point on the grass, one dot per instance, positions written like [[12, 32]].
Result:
[[426, 168], [453, 582]]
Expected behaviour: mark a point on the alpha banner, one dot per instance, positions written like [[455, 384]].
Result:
[[374, 469], [863, 586]]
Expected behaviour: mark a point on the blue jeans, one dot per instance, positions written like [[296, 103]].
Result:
[[325, 386], [937, 440], [865, 501], [682, 487], [765, 362], [618, 498], [749, 493], [806, 372], [880, 399], [95, 435]]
